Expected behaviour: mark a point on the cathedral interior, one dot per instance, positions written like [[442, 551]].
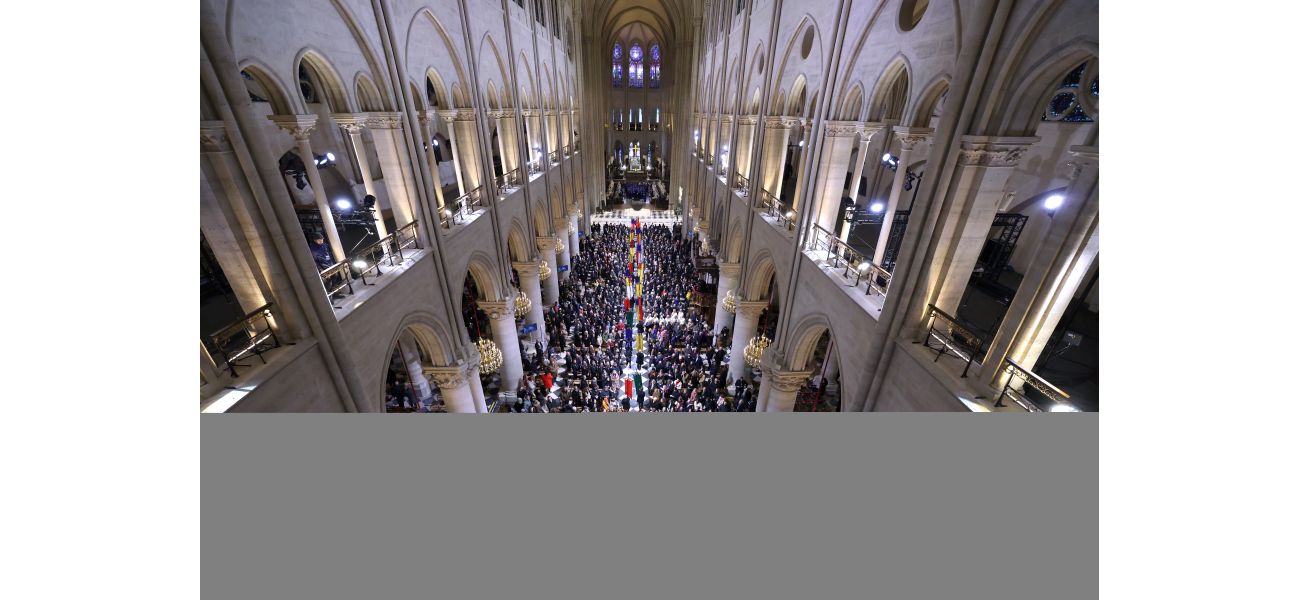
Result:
[[649, 206]]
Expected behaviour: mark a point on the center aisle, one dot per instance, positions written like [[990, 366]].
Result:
[[624, 336]]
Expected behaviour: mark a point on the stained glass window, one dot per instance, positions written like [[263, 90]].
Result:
[[1066, 104], [635, 75], [654, 66], [618, 65]]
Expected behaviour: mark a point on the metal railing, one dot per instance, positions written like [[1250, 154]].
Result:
[[742, 185], [1033, 380], [953, 338], [555, 157], [365, 264], [568, 150], [857, 267], [507, 181], [708, 160], [462, 207], [772, 206], [251, 335]]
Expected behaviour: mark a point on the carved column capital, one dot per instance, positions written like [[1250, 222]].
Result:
[[530, 112], [448, 378], [729, 269], [299, 126], [750, 309], [984, 151], [384, 120], [457, 114], [747, 119], [502, 114], [212, 137], [526, 269], [727, 119], [869, 130], [546, 243], [351, 122], [779, 122], [784, 381], [842, 128], [911, 137], [498, 310]]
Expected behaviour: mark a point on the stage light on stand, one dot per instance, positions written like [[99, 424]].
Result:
[[877, 207], [360, 265], [343, 204], [1053, 202]]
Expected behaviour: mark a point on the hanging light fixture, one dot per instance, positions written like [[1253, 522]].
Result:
[[490, 355], [559, 246], [729, 302], [754, 350], [522, 304], [543, 271]]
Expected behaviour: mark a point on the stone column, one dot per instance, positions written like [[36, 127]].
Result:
[[832, 370], [562, 257], [983, 168], [502, 316], [574, 247], [783, 388], [1053, 277], [476, 388], [910, 138], [430, 143], [869, 131], [225, 237], [551, 286], [353, 125], [533, 125], [774, 146], [406, 345], [745, 143], [837, 146], [454, 384], [746, 326], [300, 126], [724, 132], [552, 134], [532, 287], [386, 128], [727, 276]]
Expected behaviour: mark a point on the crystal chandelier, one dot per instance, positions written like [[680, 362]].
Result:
[[491, 356], [559, 246], [729, 302], [754, 350], [522, 304], [543, 271]]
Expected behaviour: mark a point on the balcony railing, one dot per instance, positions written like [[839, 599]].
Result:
[[951, 338], [252, 335], [555, 157], [365, 264], [507, 181], [708, 160], [857, 268], [742, 185], [462, 207], [1034, 381], [568, 150], [773, 207]]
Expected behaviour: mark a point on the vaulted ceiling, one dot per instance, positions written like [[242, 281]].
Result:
[[669, 20]]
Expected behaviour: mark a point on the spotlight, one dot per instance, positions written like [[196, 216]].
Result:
[[360, 264], [343, 204], [435, 142], [1053, 202], [1062, 407], [801, 143], [877, 207], [330, 156], [789, 215], [886, 158]]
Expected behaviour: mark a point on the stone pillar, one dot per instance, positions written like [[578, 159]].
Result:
[[1059, 264], [562, 256], [501, 314], [869, 130], [746, 326], [984, 166], [745, 143], [552, 134], [430, 143], [774, 146], [724, 131], [386, 128], [414, 369], [454, 384], [532, 287], [831, 370], [476, 388], [223, 235], [353, 125], [300, 126], [910, 138], [551, 286], [783, 388], [533, 125], [727, 277], [574, 247], [837, 146], [507, 144]]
